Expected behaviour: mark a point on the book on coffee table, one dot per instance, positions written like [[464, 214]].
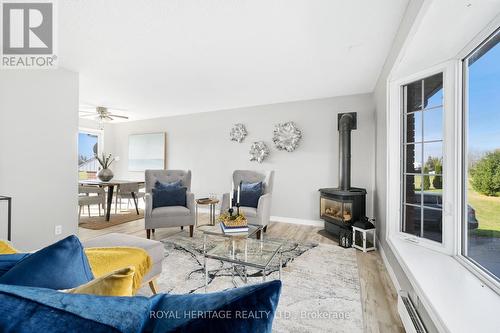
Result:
[[233, 229]]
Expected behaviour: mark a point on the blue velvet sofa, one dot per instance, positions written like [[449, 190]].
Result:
[[31, 309], [30, 300]]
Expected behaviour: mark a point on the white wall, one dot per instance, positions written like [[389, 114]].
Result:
[[88, 124], [38, 153], [200, 142], [380, 97], [380, 201]]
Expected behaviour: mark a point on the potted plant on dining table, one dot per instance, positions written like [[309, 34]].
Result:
[[105, 174]]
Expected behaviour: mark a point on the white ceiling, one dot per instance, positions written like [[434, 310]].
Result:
[[446, 27], [161, 58]]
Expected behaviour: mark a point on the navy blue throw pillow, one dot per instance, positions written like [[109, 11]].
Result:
[[34, 310], [250, 194], [62, 265], [7, 261], [165, 186], [247, 309], [175, 196]]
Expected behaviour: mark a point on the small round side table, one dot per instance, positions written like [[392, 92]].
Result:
[[211, 203]]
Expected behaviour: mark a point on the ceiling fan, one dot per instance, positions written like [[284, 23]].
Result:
[[100, 113]]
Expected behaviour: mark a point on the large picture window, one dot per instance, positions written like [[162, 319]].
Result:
[[481, 182], [422, 148]]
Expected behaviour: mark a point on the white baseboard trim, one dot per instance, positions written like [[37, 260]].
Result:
[[292, 220], [392, 275]]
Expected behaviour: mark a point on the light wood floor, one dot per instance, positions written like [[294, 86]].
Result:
[[378, 295]]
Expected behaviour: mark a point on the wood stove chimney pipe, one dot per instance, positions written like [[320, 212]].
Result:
[[346, 123]]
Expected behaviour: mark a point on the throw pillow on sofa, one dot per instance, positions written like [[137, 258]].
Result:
[[117, 283], [102, 261], [246, 309], [62, 265], [30, 309], [7, 261]]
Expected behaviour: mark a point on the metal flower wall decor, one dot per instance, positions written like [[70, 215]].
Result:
[[238, 133], [259, 151], [287, 136]]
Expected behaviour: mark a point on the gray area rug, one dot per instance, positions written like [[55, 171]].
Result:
[[321, 288]]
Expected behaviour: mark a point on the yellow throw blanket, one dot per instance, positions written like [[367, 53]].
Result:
[[7, 248], [104, 260]]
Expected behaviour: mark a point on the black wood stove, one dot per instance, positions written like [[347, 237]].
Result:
[[341, 207]]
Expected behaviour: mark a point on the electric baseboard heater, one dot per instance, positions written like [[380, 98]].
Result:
[[409, 315]]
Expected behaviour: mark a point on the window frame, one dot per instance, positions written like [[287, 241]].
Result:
[[470, 263], [395, 158], [453, 119], [404, 144]]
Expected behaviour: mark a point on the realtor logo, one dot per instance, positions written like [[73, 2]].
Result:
[[28, 34]]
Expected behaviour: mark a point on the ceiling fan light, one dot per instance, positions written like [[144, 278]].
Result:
[[101, 110], [101, 114]]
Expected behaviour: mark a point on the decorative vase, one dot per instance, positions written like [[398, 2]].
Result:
[[105, 175]]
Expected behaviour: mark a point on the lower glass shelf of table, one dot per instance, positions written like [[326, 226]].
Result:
[[241, 252]]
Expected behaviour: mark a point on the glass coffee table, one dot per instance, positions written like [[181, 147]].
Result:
[[240, 250]]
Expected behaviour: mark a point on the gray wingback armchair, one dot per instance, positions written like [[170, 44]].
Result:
[[173, 216], [262, 213]]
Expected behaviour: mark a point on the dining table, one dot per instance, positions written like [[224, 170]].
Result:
[[110, 185]]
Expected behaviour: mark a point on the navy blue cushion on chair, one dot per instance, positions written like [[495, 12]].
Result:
[[62, 265], [7, 261], [165, 186], [175, 196], [250, 194], [247, 309]]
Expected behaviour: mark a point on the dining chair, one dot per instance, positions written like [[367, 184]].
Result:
[[125, 191], [91, 195]]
